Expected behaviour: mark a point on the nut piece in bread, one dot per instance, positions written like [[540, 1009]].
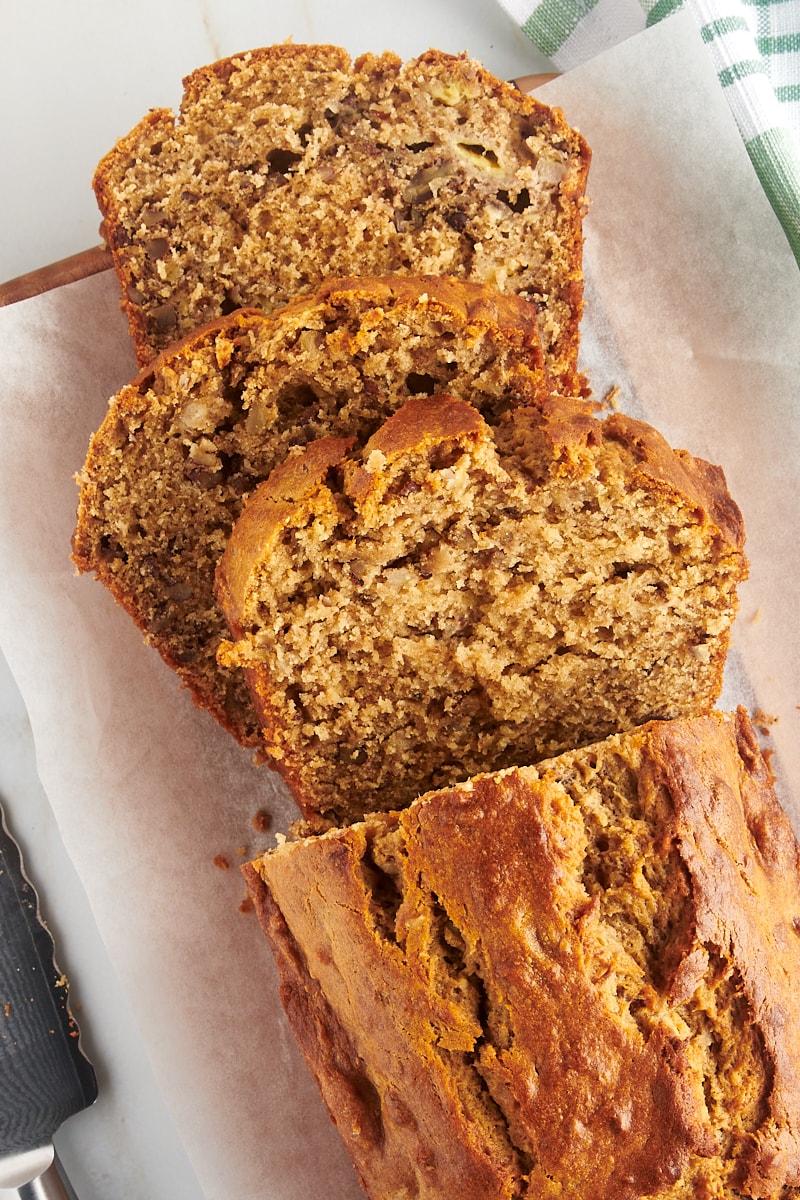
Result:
[[578, 979], [291, 163], [185, 443], [455, 598]]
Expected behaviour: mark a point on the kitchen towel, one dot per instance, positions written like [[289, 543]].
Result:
[[754, 46]]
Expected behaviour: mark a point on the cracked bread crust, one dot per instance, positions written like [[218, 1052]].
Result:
[[454, 598], [184, 444], [575, 979], [290, 163]]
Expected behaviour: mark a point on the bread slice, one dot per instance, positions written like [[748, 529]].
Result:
[[290, 163], [577, 979], [183, 445], [454, 598]]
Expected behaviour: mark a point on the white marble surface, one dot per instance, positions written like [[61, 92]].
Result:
[[73, 78]]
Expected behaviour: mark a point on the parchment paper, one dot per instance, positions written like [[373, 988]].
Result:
[[693, 308]]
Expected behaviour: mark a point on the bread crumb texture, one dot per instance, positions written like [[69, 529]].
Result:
[[457, 598], [183, 445], [291, 163], [577, 979]]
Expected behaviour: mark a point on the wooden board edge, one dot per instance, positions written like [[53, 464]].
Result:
[[528, 83], [67, 270]]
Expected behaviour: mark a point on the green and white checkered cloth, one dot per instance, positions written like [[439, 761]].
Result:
[[754, 46]]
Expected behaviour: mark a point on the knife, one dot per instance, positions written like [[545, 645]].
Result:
[[44, 1075]]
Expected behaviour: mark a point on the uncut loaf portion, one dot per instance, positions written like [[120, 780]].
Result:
[[578, 979], [184, 444], [290, 163], [454, 597]]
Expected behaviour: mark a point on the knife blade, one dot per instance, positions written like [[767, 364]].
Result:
[[45, 1077]]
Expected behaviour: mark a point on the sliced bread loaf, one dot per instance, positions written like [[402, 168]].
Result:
[[454, 598], [291, 163], [182, 446], [578, 979]]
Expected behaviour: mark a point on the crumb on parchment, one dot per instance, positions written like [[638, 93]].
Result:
[[262, 821], [763, 721]]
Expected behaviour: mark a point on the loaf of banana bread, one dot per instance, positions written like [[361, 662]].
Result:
[[578, 979]]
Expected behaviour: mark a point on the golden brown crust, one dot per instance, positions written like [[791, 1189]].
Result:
[[576, 979], [471, 301], [417, 428], [743, 858], [349, 1095], [568, 433], [284, 497], [680, 471], [149, 187]]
